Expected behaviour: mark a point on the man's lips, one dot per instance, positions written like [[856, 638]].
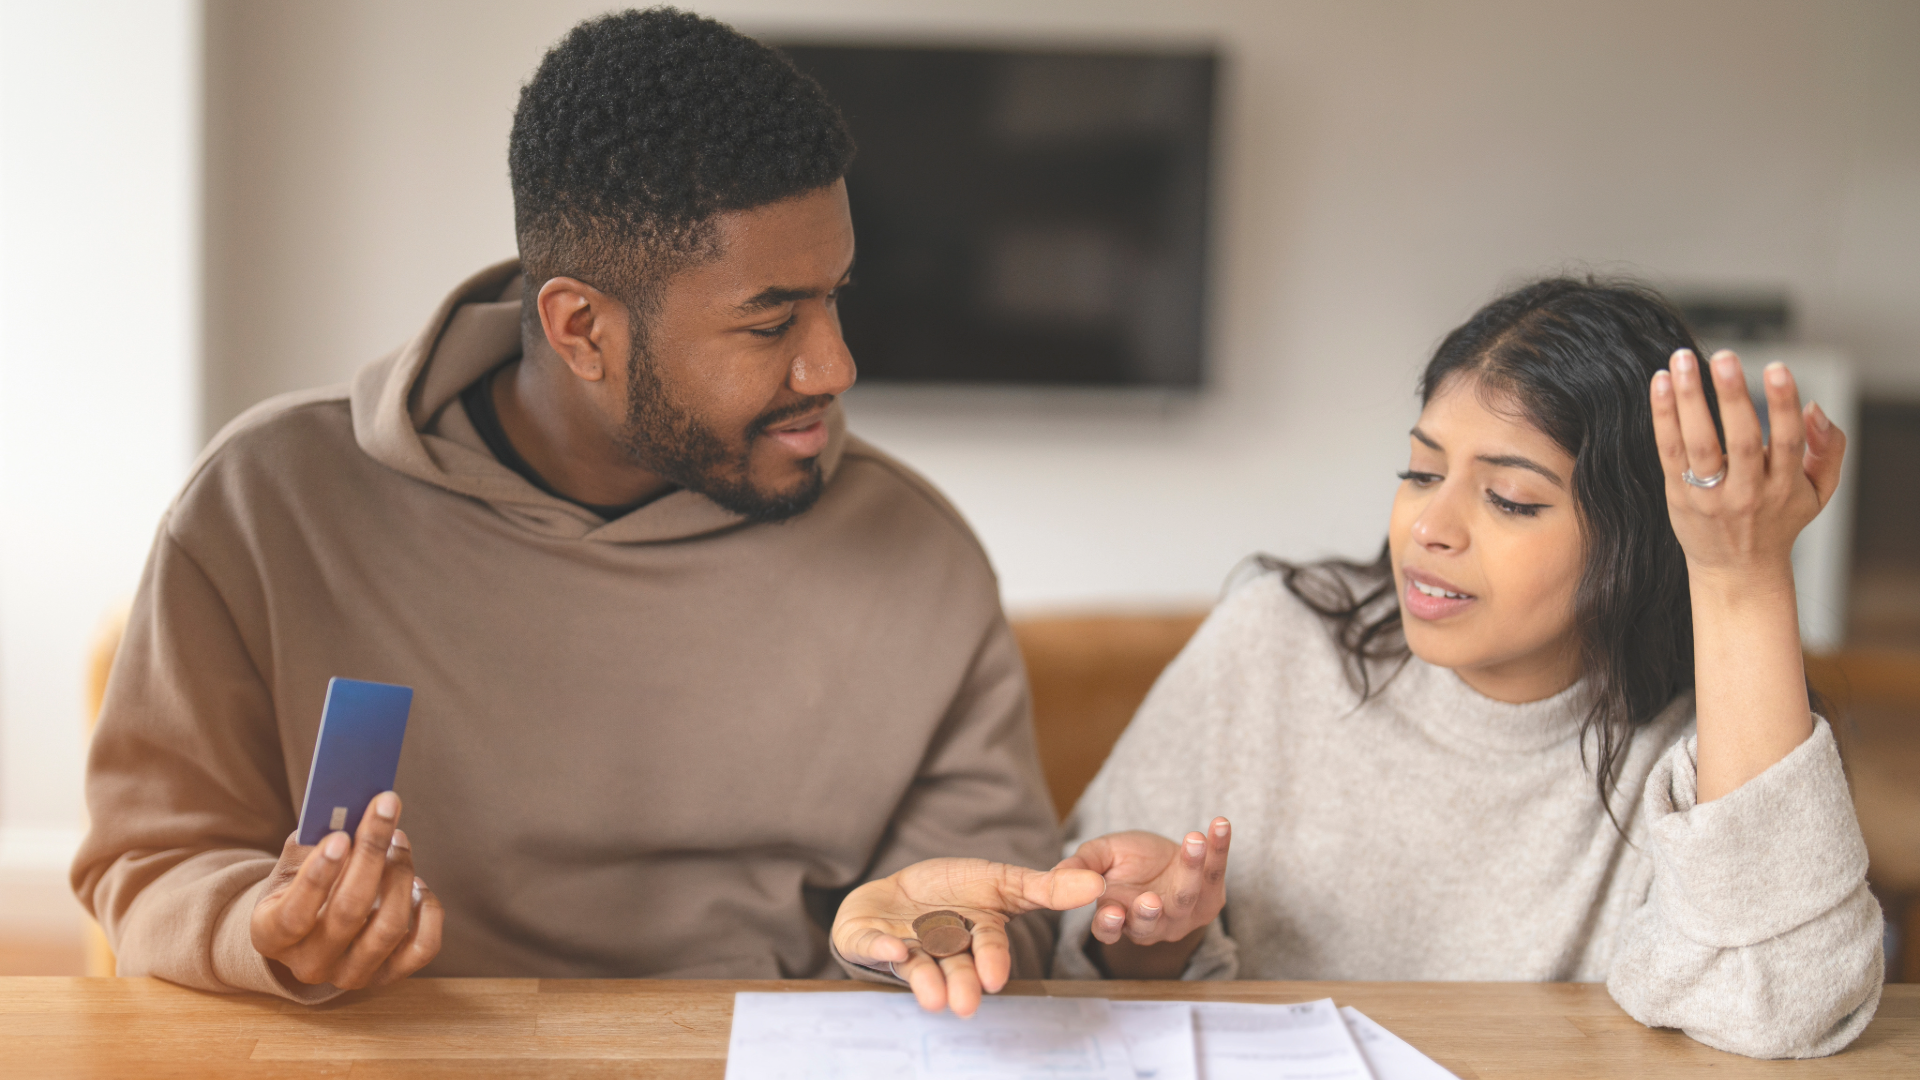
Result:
[[1430, 597], [804, 436]]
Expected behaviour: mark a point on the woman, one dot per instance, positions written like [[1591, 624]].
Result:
[[1559, 730]]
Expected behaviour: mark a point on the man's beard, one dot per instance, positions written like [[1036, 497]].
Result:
[[680, 448]]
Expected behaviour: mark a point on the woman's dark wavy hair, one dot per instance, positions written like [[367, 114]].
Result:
[[1574, 358]]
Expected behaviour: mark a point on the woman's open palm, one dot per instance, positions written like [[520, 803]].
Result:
[[1157, 890]]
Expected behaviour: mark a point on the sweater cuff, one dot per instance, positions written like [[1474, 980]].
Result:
[[1218, 956], [239, 965], [1777, 851]]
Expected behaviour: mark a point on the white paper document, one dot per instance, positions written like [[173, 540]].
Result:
[[1308, 1041], [864, 1036], [1159, 1038], [1022, 1038], [1390, 1056], [877, 1036], [845, 1036]]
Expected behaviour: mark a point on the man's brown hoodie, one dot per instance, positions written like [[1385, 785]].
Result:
[[663, 745]]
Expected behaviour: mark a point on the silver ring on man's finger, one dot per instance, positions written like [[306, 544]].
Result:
[[1707, 481]]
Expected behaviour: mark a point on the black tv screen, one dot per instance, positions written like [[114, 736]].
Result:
[[1025, 217]]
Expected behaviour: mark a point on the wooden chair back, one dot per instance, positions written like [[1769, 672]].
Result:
[[1874, 698], [1089, 674]]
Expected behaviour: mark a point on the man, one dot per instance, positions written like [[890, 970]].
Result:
[[690, 662]]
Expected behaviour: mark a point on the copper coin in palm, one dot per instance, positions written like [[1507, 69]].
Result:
[[943, 933]]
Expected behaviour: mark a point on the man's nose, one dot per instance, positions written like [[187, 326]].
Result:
[[823, 365]]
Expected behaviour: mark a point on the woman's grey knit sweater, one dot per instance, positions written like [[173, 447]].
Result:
[[1436, 834]]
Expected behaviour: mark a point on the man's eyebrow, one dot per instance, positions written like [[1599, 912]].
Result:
[[776, 295], [1515, 461], [773, 297], [1427, 439]]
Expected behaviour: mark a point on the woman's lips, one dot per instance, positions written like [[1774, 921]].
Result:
[[1420, 601]]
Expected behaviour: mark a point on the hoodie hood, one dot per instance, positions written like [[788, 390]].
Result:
[[407, 416]]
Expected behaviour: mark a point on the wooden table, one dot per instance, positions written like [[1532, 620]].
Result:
[[643, 1028]]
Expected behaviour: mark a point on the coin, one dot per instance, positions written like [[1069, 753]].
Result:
[[943, 933]]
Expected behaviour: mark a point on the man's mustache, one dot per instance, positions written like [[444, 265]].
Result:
[[785, 413]]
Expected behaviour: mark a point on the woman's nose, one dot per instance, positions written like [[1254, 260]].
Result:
[[1439, 526]]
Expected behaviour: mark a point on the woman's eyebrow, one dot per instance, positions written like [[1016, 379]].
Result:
[[1515, 461], [1511, 461]]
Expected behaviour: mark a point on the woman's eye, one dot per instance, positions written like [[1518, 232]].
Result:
[[1420, 479], [1508, 506]]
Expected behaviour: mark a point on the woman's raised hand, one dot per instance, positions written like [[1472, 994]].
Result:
[[1157, 890], [874, 927], [1737, 509], [1769, 488]]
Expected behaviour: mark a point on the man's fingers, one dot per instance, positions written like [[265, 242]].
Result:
[[1052, 890], [963, 983], [291, 914], [924, 976], [421, 944], [292, 858], [992, 956], [870, 946], [353, 897], [389, 924], [1109, 922], [1826, 452]]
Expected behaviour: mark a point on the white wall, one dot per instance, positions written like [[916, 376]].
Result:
[[99, 402], [1385, 168]]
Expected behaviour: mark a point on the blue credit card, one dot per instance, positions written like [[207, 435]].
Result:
[[356, 755]]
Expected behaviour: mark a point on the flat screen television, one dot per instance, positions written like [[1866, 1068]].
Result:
[[1025, 217]]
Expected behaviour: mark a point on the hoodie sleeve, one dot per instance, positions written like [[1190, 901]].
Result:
[[980, 793], [186, 790], [1759, 936]]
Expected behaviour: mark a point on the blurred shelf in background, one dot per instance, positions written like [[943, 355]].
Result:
[[1884, 601]]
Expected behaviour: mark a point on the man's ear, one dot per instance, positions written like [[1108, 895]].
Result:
[[584, 326]]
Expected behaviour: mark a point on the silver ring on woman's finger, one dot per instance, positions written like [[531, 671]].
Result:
[[1706, 481]]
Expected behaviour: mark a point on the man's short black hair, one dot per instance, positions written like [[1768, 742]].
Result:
[[639, 127]]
